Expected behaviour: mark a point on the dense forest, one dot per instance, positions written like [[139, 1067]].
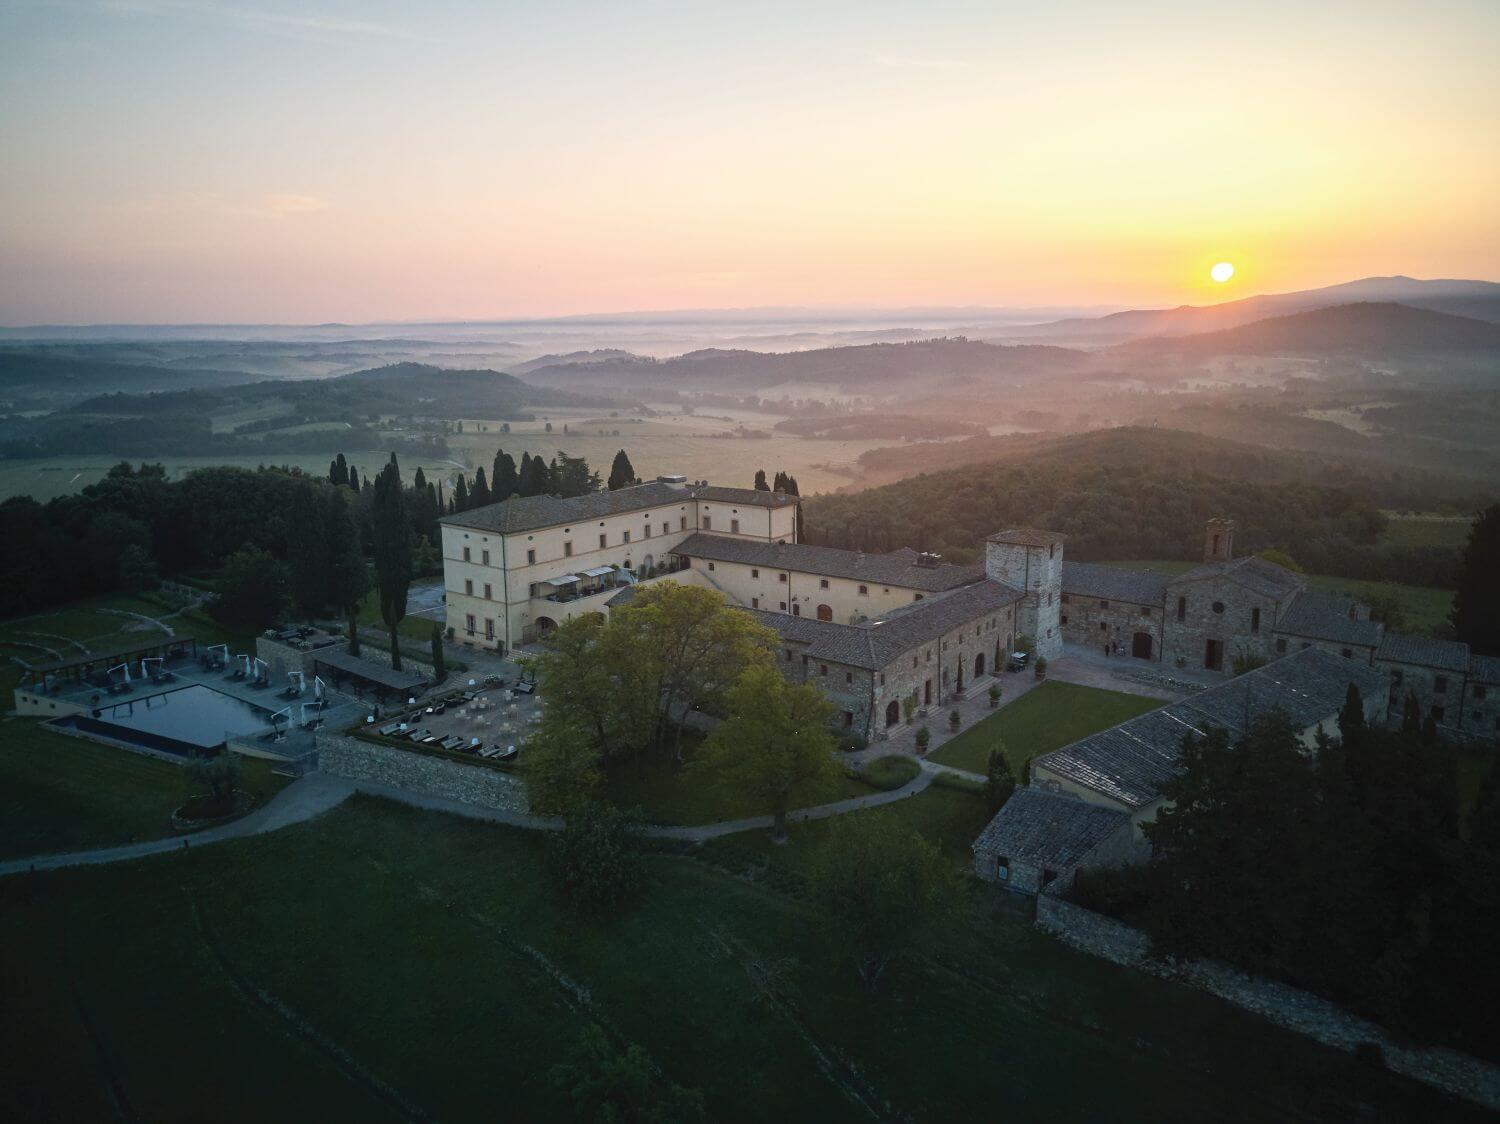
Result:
[[1125, 508]]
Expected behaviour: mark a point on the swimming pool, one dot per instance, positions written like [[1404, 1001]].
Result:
[[184, 721]]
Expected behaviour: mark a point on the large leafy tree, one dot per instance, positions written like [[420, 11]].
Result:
[[252, 590], [686, 645], [621, 472], [1476, 604], [393, 552], [882, 890], [776, 743], [308, 554]]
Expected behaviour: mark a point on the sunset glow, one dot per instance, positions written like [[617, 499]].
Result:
[[1222, 272], [357, 161]]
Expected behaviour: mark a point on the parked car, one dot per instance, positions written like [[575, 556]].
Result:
[[1018, 661]]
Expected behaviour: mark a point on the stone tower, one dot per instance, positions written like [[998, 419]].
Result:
[[1218, 540], [1031, 561]]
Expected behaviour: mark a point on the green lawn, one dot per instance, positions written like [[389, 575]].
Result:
[[1426, 607], [60, 793], [666, 793], [382, 963], [1049, 716]]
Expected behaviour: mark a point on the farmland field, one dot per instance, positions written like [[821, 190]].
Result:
[[383, 963], [669, 444]]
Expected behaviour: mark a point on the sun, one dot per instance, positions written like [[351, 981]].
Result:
[[1222, 272]]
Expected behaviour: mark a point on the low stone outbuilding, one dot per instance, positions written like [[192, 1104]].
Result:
[[1042, 837]]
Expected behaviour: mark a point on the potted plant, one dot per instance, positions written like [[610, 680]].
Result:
[[924, 736], [994, 695], [908, 707], [1041, 667], [955, 719]]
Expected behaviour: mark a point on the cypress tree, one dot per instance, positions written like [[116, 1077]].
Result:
[[461, 494], [503, 480], [393, 560], [1476, 604], [354, 478], [479, 496], [760, 481], [621, 472]]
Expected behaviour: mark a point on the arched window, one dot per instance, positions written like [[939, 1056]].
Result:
[[825, 612]]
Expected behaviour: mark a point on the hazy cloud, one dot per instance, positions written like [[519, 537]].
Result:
[[299, 25], [906, 62]]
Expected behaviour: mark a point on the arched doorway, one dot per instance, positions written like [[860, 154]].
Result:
[[545, 626], [892, 714], [978, 665], [796, 609], [825, 612], [1140, 646]]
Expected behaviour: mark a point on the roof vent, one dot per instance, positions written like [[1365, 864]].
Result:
[[929, 560]]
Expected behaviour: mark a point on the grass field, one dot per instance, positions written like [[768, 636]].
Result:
[[1426, 607], [1040, 721], [1427, 530], [382, 963], [666, 793], [60, 793]]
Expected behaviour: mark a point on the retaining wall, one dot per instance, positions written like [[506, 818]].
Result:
[[1300, 1011], [357, 760]]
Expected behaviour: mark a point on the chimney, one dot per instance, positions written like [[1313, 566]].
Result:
[[1218, 541]]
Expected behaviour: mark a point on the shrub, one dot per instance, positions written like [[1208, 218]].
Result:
[[961, 783], [890, 772], [596, 860], [851, 741], [994, 695], [1041, 666], [955, 720], [924, 736]]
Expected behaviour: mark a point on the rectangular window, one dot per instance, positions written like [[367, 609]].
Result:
[[1145, 611], [822, 669], [755, 602], [1182, 608], [1255, 619], [754, 573], [1440, 685], [864, 591], [484, 557], [666, 528], [468, 587], [822, 583], [603, 541], [783, 606], [1438, 714], [684, 522], [734, 526], [626, 537], [568, 549], [1103, 604], [489, 628], [1281, 644], [708, 522], [531, 558], [1478, 691], [1103, 627], [848, 677], [1066, 599], [488, 595], [782, 578], [1063, 618], [469, 623], [466, 554], [1347, 653], [710, 566]]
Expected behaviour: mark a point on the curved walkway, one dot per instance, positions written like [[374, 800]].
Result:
[[303, 799], [310, 796]]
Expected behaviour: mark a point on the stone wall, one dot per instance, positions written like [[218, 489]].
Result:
[[343, 755], [1299, 1011], [1093, 622], [1234, 624]]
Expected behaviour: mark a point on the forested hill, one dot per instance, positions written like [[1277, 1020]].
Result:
[[1367, 329], [1129, 494], [45, 378], [880, 367]]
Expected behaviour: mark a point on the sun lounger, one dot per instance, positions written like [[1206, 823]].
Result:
[[452, 741], [418, 735], [389, 729]]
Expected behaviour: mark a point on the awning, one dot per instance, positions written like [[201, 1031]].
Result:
[[598, 571], [566, 579]]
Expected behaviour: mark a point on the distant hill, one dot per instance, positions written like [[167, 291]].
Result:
[[32, 378], [1366, 329], [598, 355], [1479, 300], [871, 368]]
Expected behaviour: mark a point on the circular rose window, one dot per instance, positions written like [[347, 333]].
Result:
[[1218, 606]]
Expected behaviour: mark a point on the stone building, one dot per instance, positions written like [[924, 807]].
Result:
[[1123, 770]]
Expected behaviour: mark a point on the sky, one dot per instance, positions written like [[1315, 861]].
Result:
[[190, 161]]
